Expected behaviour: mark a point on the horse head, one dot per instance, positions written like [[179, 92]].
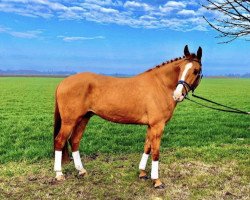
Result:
[[190, 74]]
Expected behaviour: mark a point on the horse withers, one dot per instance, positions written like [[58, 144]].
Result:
[[148, 98]]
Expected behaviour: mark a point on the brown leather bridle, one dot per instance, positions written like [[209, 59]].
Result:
[[192, 87]]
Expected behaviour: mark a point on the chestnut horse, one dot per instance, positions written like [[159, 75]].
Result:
[[148, 98]]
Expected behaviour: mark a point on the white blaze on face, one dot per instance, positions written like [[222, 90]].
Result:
[[178, 91]]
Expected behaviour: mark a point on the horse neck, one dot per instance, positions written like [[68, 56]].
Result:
[[167, 74]]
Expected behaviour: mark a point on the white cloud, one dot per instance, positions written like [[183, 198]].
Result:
[[165, 9], [135, 14], [104, 2], [198, 28], [186, 12], [3, 29], [137, 5], [78, 38], [27, 34], [193, 3], [175, 4], [171, 6], [108, 10], [147, 17], [21, 34]]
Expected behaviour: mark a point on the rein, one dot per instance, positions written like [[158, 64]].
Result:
[[230, 109], [192, 87]]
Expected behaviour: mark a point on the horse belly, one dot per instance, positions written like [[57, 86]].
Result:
[[121, 111], [124, 119]]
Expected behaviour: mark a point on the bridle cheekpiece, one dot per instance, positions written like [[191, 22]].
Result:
[[192, 87]]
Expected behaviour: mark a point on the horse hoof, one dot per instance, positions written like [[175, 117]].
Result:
[[82, 173], [60, 178], [80, 176], [144, 177], [160, 187]]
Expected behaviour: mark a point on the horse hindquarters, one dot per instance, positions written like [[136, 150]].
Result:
[[71, 117]]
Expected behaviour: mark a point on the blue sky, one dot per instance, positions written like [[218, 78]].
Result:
[[111, 36]]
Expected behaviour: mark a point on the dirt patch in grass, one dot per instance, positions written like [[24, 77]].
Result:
[[116, 177]]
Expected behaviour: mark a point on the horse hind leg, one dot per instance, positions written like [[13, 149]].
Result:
[[144, 159], [60, 141], [75, 142]]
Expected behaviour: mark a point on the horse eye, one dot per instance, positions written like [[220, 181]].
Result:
[[196, 72]]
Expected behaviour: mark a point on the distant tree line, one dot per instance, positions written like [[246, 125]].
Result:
[[35, 72]]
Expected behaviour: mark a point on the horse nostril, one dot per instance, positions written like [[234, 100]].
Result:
[[176, 98]]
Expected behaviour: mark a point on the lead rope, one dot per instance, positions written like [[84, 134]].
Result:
[[231, 110]]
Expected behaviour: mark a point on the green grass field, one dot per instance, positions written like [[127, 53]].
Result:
[[205, 154]]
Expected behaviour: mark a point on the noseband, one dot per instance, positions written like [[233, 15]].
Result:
[[186, 86], [192, 87]]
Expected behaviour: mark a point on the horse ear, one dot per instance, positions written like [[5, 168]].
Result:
[[199, 53], [186, 51]]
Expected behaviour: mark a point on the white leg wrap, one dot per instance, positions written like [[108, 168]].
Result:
[[154, 170], [59, 174], [77, 160], [58, 161], [143, 162]]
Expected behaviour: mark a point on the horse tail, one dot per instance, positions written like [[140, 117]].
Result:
[[57, 127], [57, 121]]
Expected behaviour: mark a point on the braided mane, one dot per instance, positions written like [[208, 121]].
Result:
[[170, 61]]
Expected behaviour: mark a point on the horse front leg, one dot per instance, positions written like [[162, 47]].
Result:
[[155, 140]]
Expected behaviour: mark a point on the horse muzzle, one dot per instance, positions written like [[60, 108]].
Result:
[[178, 96]]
